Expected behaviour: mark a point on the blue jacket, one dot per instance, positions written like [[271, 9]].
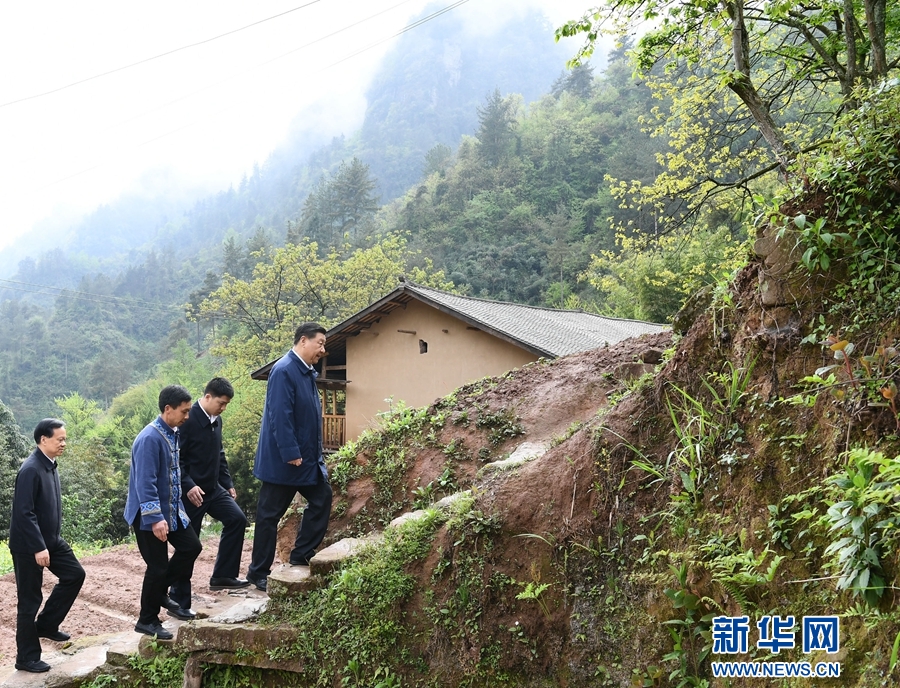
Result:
[[291, 426], [154, 483]]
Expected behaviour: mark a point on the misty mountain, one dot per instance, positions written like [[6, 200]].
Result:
[[425, 93]]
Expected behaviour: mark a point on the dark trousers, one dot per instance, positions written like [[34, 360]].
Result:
[[29, 578], [161, 571], [273, 501], [221, 507]]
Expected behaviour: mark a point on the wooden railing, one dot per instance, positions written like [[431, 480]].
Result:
[[333, 429]]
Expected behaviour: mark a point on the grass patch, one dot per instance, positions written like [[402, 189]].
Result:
[[355, 628]]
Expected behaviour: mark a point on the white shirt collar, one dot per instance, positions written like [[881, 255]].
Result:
[[300, 358], [212, 419]]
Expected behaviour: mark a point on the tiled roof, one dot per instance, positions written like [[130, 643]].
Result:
[[554, 332], [542, 331]]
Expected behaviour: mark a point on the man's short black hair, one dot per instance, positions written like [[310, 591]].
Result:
[[46, 428], [173, 396], [219, 387], [308, 330]]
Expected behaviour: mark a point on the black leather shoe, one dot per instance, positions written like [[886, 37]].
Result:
[[260, 583], [227, 583], [170, 604], [183, 614], [56, 636], [153, 629], [300, 562], [35, 666]]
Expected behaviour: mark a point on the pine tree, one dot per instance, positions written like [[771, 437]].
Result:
[[497, 124]]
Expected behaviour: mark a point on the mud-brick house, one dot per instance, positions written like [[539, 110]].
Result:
[[417, 344]]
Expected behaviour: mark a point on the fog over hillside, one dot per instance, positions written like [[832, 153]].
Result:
[[425, 92]]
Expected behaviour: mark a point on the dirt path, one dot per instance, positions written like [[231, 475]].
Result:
[[110, 599]]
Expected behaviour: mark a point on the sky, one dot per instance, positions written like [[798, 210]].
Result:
[[232, 79]]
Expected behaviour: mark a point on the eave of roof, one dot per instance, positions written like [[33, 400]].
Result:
[[407, 291]]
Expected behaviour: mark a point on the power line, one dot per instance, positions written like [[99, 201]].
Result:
[[30, 287], [409, 27], [349, 26], [213, 85], [109, 300], [155, 57]]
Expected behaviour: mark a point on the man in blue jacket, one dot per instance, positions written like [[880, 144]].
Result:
[[154, 510], [289, 456], [35, 544]]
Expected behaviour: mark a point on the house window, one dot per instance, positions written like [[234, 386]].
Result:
[[423, 346], [333, 401]]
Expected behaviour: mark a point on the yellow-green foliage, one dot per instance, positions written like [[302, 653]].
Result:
[[649, 280]]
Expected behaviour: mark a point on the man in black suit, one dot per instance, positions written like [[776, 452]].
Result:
[[207, 488], [35, 544]]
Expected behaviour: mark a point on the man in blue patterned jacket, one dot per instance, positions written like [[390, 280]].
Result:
[[155, 511]]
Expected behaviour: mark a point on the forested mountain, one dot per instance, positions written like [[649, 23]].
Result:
[[517, 213], [130, 265], [425, 92]]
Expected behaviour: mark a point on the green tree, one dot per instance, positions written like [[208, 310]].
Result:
[[341, 208], [14, 447], [497, 127], [234, 257], [354, 201], [579, 81], [92, 479], [297, 285], [649, 280], [437, 159], [748, 85]]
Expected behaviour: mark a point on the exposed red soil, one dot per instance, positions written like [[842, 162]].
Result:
[[109, 602], [546, 397]]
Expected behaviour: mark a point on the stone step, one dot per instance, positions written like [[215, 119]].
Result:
[[233, 638], [447, 502], [328, 559], [74, 662], [405, 518], [242, 612], [289, 581], [527, 451], [245, 644]]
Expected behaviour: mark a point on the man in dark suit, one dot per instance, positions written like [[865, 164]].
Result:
[[289, 456], [35, 544], [207, 488]]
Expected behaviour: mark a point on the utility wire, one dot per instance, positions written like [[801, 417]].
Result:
[[409, 27], [350, 26], [155, 57], [32, 288], [105, 299], [214, 85]]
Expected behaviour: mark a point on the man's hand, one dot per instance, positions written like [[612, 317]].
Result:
[[195, 495], [161, 530], [42, 558], [232, 492], [296, 462]]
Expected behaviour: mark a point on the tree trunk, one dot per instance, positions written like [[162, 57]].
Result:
[[852, 57], [746, 91], [875, 24]]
